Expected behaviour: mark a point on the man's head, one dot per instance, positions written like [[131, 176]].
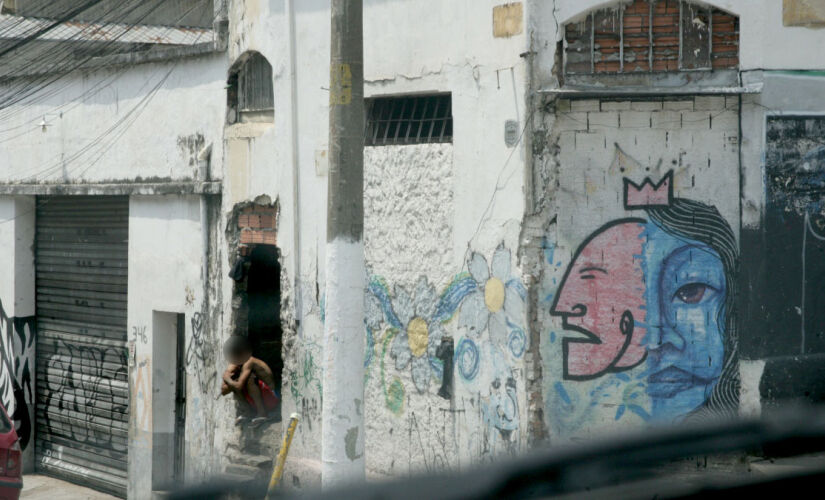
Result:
[[237, 350]]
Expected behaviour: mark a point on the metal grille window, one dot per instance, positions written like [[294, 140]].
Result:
[[651, 36], [409, 120], [250, 93]]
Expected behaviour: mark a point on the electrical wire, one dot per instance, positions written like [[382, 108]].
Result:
[[24, 86], [25, 89], [103, 143]]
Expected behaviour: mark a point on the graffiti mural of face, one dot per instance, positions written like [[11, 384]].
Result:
[[643, 295], [602, 295], [685, 320]]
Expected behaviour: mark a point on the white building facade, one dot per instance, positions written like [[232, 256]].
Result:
[[155, 202]]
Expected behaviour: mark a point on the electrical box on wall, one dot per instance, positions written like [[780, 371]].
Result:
[[511, 134]]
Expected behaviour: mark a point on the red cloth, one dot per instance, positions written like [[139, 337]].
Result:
[[270, 398]]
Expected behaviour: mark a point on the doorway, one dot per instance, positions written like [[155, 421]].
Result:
[[168, 399]]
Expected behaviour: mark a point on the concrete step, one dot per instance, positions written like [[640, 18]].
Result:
[[257, 461], [246, 472]]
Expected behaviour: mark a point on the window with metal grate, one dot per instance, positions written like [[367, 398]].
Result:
[[418, 119], [652, 36], [250, 95]]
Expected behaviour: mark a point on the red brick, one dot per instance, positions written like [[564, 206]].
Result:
[[638, 7], [665, 65], [607, 67], [724, 27], [666, 7], [666, 41], [269, 238], [636, 42], [725, 62], [268, 222], [631, 67]]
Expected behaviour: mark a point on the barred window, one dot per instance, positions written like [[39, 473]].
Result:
[[250, 94], [651, 36], [415, 119]]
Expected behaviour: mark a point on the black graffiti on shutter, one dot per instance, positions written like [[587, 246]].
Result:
[[92, 400]]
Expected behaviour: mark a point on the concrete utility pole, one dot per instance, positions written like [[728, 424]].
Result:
[[342, 445]]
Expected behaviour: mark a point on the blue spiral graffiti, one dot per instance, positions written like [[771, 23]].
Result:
[[468, 359], [517, 342]]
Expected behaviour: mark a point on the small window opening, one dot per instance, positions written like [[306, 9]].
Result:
[[249, 90], [409, 120]]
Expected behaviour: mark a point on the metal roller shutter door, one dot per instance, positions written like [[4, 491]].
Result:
[[82, 374]]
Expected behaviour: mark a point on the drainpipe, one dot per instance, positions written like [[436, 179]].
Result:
[[204, 161], [295, 160]]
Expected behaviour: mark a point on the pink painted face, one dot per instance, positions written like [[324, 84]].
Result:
[[602, 295]]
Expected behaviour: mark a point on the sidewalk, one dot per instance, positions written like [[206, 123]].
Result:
[[39, 487]]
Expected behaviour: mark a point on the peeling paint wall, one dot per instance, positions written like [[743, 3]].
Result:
[[430, 208], [126, 124], [439, 413], [168, 278]]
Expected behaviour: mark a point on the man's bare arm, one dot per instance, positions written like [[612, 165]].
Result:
[[263, 372], [238, 385]]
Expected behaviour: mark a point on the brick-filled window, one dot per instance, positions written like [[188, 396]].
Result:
[[259, 225], [415, 119], [651, 36]]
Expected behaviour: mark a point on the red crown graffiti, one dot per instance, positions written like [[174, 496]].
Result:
[[647, 194]]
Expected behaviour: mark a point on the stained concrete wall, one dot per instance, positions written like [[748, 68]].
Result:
[[781, 137], [131, 123], [468, 210], [447, 242], [166, 260]]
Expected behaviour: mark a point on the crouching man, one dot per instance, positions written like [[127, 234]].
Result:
[[250, 380]]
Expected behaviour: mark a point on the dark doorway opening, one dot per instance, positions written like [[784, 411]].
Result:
[[263, 298]]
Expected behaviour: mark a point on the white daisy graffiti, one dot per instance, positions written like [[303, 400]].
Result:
[[419, 335], [495, 299]]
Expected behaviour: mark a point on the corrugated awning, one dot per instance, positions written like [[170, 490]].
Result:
[[16, 27]]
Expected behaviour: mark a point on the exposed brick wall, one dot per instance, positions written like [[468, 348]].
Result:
[[258, 225], [628, 38]]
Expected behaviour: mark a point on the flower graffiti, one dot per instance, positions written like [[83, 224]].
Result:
[[496, 304], [487, 298], [420, 333]]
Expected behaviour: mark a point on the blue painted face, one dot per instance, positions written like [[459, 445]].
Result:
[[685, 296]]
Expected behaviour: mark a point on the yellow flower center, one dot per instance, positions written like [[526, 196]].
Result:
[[418, 334], [494, 294]]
